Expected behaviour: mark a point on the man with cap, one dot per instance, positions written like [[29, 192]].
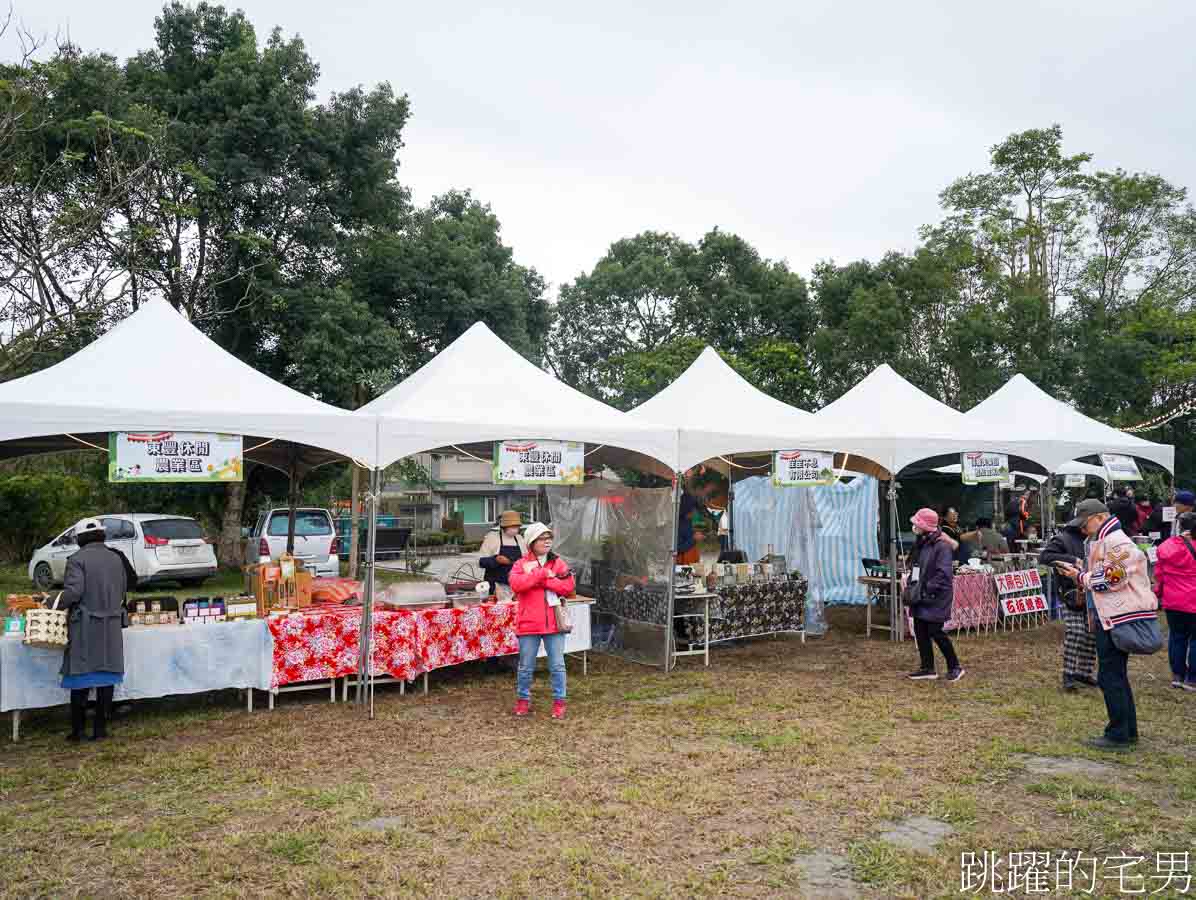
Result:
[[1118, 588], [1185, 502], [94, 594]]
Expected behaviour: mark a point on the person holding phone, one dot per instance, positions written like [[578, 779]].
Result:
[[1079, 644]]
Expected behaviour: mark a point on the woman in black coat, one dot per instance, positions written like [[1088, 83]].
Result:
[[94, 596], [933, 593]]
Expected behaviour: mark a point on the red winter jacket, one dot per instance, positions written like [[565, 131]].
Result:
[[528, 580], [1175, 576]]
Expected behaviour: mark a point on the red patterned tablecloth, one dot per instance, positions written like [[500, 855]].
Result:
[[319, 644]]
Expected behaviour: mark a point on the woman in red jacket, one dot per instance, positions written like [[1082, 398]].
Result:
[[1175, 585], [540, 579]]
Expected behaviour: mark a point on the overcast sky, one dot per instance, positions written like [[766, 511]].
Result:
[[813, 129]]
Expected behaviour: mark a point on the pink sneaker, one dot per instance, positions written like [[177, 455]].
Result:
[[523, 708], [558, 709]]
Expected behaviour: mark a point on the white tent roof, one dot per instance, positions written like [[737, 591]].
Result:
[[888, 420], [1026, 413], [479, 389], [156, 371], [718, 412]]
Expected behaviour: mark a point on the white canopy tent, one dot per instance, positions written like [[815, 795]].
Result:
[[479, 389], [156, 371], [888, 420], [1057, 431], [717, 413]]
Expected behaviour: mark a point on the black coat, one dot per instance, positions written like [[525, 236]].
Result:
[[94, 593], [932, 556], [1067, 545]]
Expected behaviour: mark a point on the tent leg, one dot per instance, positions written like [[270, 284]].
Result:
[[896, 619], [668, 626], [292, 501], [730, 504], [364, 678]]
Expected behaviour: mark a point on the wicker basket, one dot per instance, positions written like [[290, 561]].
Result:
[[46, 627]]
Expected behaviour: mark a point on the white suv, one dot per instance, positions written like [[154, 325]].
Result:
[[157, 548], [316, 542]]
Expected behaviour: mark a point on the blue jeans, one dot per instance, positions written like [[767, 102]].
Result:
[[1181, 647], [529, 646]]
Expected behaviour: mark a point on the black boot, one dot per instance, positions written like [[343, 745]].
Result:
[[103, 709], [78, 715]]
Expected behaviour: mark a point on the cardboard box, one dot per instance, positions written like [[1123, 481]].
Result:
[[303, 580]]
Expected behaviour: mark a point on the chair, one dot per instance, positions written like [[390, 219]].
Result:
[[876, 568]]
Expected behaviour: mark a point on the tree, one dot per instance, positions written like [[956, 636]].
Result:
[[654, 300]]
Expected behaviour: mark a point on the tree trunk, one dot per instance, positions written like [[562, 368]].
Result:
[[354, 517], [230, 550]]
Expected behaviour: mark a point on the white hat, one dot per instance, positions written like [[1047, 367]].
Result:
[[534, 532], [87, 526]]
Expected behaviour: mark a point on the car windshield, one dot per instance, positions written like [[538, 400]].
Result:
[[308, 523], [172, 529]]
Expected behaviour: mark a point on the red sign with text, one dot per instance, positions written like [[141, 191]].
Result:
[[1019, 606]]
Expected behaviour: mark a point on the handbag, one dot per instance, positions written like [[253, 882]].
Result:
[[564, 618], [46, 628], [1141, 636]]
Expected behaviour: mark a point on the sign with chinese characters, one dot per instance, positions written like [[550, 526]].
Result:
[[539, 462], [984, 468], [1074, 479], [802, 468], [1021, 592], [174, 456], [1120, 468]]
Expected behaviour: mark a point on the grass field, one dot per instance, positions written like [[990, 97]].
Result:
[[733, 780]]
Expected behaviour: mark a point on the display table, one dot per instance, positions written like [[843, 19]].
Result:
[[321, 644], [160, 660], [750, 610]]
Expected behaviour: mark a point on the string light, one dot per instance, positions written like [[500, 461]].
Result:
[[1184, 409]]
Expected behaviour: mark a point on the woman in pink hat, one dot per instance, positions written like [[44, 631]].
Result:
[[932, 585]]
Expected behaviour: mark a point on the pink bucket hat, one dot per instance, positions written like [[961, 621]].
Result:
[[926, 519]]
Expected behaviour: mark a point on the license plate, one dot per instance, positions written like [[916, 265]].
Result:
[[186, 551]]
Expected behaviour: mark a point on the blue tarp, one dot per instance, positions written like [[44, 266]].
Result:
[[824, 532]]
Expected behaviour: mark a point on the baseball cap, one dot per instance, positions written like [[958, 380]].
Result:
[[1085, 510], [1187, 498]]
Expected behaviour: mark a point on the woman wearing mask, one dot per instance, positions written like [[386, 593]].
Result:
[[931, 570], [499, 551], [1175, 585], [540, 580]]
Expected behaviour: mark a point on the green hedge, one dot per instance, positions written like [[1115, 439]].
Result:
[[38, 507]]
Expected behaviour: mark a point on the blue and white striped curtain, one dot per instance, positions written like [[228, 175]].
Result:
[[849, 515]]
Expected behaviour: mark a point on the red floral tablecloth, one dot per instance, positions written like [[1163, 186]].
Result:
[[322, 643]]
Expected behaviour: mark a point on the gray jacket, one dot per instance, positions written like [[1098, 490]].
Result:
[[94, 593]]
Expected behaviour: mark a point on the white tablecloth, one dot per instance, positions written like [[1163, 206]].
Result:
[[159, 660]]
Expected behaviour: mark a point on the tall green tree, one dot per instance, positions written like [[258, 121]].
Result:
[[654, 298]]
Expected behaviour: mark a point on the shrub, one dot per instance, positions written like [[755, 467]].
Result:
[[38, 507]]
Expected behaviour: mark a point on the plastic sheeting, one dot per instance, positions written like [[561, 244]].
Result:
[[785, 519], [159, 660], [849, 514], [619, 542]]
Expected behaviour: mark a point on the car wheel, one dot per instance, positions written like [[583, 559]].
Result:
[[43, 578]]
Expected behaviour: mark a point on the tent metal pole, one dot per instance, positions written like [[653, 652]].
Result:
[[364, 669], [668, 626], [730, 504], [292, 499], [896, 623]]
